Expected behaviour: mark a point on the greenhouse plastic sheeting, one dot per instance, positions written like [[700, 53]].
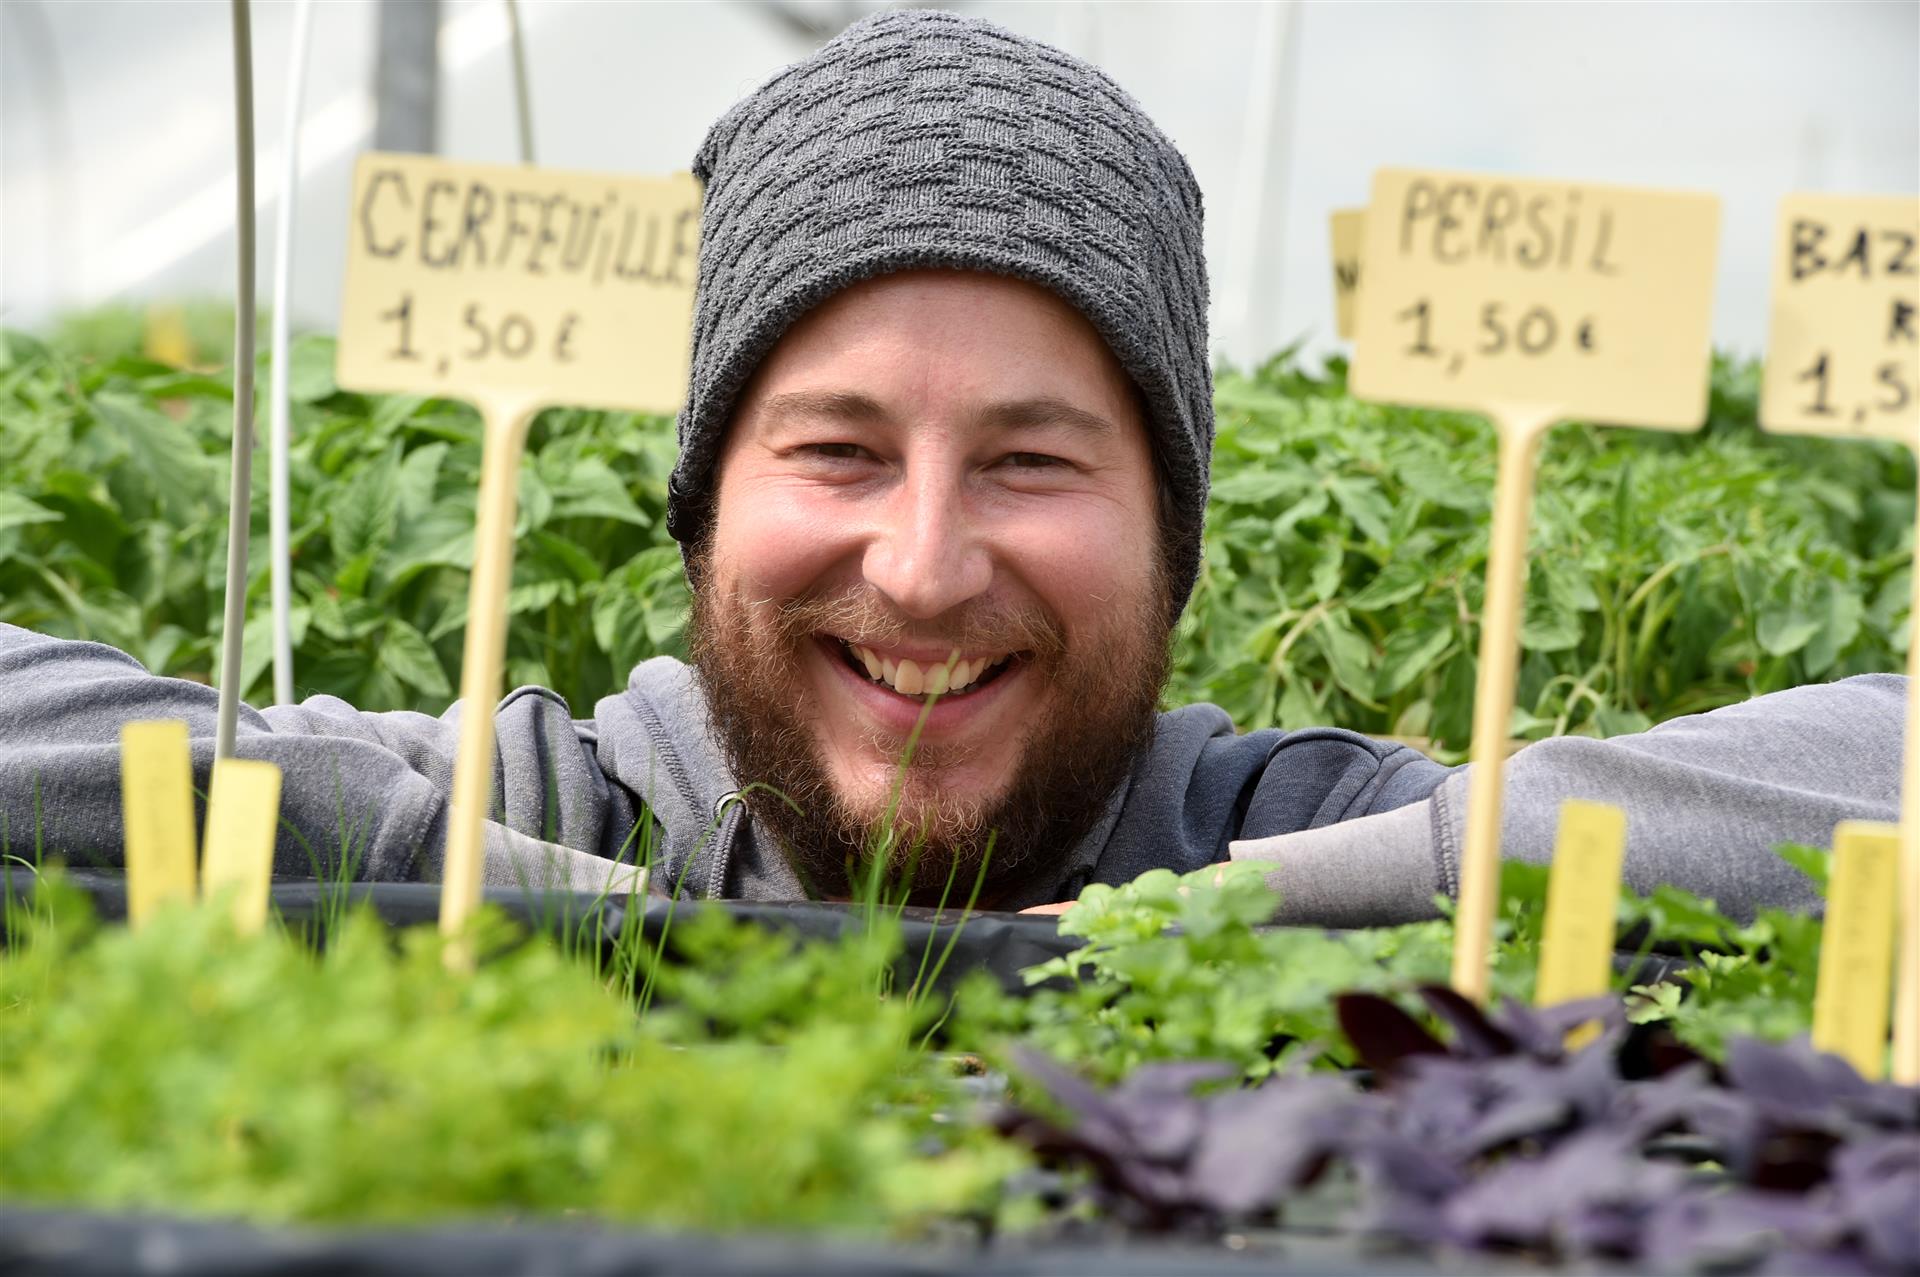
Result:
[[77, 1244]]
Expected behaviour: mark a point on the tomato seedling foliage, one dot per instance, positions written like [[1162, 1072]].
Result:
[[1344, 553]]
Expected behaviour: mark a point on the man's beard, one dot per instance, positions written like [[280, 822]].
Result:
[[1097, 720]]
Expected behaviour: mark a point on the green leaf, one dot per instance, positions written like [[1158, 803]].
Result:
[[1406, 575], [589, 489], [18, 511], [1363, 502], [1327, 567], [419, 475], [1550, 625], [363, 518], [1785, 626], [167, 463], [405, 653], [310, 369], [1255, 487], [1410, 652], [1349, 655], [256, 653], [1814, 862], [1840, 610]]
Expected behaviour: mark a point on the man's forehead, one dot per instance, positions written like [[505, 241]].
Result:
[[860, 407]]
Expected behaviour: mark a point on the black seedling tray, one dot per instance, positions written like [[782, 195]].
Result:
[[1001, 944], [38, 1243]]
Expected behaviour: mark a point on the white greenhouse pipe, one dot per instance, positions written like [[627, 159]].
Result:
[[240, 492], [279, 499]]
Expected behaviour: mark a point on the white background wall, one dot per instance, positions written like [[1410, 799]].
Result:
[[126, 193]]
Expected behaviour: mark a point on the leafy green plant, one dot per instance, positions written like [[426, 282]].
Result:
[[1341, 582], [112, 527], [181, 1067], [1346, 544]]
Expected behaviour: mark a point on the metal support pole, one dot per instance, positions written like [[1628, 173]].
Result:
[[406, 76], [240, 492], [522, 92]]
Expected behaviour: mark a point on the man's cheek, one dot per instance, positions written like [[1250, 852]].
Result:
[[779, 543]]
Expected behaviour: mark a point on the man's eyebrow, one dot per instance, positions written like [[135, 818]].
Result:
[[1045, 411], [839, 405]]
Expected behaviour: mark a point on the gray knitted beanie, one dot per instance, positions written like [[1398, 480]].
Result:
[[925, 139]]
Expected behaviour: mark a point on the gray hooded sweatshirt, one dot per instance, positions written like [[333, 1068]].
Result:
[[1358, 832]]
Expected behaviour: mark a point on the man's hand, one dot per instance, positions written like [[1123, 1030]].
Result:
[[1058, 908]]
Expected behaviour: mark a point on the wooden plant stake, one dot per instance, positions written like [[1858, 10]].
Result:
[[243, 815], [1856, 946], [1843, 360], [515, 289], [1531, 302], [1349, 228], [156, 802]]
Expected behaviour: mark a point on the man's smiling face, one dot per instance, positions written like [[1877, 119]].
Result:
[[937, 481]]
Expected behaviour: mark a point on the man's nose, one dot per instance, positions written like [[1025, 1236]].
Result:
[[927, 555]]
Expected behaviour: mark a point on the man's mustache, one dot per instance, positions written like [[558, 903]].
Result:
[[862, 615]]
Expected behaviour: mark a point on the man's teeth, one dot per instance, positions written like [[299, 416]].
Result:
[[910, 678]]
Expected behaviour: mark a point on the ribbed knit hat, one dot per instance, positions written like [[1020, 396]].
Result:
[[918, 139]]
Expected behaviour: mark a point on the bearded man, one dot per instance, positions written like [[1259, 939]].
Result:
[[943, 468]]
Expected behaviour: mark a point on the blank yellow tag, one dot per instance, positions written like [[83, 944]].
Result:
[[515, 288], [1349, 226], [156, 790], [1583, 891], [243, 816], [1852, 993], [1843, 345], [1531, 302]]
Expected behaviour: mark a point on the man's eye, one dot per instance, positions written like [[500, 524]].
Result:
[[1032, 460], [835, 451]]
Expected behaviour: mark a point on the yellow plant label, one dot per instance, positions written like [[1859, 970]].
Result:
[[503, 283], [243, 815], [1487, 292], [1349, 229], [514, 288], [1843, 345], [1853, 990], [156, 793], [1583, 892]]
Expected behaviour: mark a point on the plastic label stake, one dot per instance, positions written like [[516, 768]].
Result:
[[1843, 359], [1531, 302], [243, 815], [517, 289], [1349, 227], [156, 792], [1583, 894], [1856, 946]]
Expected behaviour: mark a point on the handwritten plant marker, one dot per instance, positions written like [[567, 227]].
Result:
[[1856, 945], [1531, 302], [243, 814], [1583, 893], [1349, 227], [516, 289], [1843, 359], [156, 792]]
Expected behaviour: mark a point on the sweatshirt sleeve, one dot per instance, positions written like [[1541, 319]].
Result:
[[1707, 798], [360, 791]]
